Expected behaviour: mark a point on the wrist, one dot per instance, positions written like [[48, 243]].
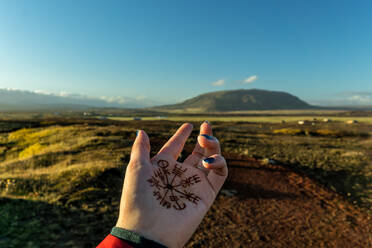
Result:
[[135, 239]]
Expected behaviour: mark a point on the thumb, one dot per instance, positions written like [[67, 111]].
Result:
[[141, 148], [218, 171]]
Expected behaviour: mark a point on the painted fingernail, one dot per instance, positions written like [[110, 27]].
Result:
[[207, 122], [209, 160], [137, 132], [207, 136]]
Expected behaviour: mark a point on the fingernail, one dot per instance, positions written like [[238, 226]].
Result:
[[207, 122], [207, 136], [209, 160], [137, 132]]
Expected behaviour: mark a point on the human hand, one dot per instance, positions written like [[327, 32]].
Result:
[[165, 200]]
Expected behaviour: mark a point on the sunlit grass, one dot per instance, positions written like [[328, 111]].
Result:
[[32, 150], [51, 161], [255, 119], [81, 167]]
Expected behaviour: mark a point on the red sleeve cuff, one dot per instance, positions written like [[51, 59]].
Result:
[[113, 242]]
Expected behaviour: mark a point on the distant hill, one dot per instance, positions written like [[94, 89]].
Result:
[[14, 100], [240, 100]]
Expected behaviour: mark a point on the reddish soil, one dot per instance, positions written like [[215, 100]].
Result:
[[274, 206]]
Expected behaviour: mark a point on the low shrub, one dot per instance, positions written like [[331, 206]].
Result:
[[289, 131], [32, 150]]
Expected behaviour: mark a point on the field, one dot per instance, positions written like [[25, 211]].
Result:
[[256, 119], [289, 185]]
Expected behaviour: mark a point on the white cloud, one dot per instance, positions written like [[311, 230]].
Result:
[[113, 99], [64, 94], [346, 99], [219, 82], [250, 79], [141, 97], [356, 97], [11, 89], [361, 99], [43, 92]]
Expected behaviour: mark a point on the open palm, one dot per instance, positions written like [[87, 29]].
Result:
[[165, 200]]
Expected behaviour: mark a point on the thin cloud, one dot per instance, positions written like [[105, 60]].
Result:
[[43, 92], [360, 99], [113, 99], [250, 79], [346, 99], [140, 98], [353, 93], [64, 94], [219, 82]]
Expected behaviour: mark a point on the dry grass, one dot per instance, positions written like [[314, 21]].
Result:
[[76, 169], [52, 161], [254, 119], [288, 131]]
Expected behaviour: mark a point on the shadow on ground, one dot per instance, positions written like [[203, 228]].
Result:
[[26, 223], [273, 206]]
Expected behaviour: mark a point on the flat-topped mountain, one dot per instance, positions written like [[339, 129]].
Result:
[[240, 100]]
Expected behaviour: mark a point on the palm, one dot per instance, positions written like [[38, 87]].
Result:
[[176, 185], [163, 197]]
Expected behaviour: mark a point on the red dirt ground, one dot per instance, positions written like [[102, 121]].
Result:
[[277, 207]]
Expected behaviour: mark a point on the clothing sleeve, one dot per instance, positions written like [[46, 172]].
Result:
[[122, 238], [113, 242]]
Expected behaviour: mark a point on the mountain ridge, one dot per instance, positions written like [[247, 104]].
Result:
[[210, 102], [240, 100], [15, 100]]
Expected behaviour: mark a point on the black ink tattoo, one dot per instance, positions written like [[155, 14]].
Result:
[[171, 186]]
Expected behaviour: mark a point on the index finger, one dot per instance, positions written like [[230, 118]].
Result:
[[175, 144]]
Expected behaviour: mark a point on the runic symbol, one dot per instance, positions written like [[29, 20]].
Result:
[[177, 171], [159, 173], [173, 198], [157, 195], [179, 206], [191, 197], [172, 187], [190, 181], [154, 182], [163, 164], [166, 204]]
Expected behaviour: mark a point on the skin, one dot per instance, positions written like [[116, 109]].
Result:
[[141, 211]]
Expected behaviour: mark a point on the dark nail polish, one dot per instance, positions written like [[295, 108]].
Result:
[[207, 136], [137, 132], [207, 122], [209, 160]]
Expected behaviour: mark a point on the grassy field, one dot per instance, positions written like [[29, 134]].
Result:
[[255, 119], [60, 180]]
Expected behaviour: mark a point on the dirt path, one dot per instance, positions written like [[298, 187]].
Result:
[[266, 205]]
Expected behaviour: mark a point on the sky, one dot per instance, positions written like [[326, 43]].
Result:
[[168, 51]]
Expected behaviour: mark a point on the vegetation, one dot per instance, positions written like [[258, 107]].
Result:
[[237, 118], [60, 179]]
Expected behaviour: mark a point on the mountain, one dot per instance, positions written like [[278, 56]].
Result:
[[219, 101], [12, 100], [240, 100]]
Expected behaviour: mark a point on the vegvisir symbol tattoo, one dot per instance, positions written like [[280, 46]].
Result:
[[171, 186]]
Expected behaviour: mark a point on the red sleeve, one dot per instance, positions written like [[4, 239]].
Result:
[[113, 242]]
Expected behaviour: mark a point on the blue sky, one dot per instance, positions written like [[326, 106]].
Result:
[[168, 51]]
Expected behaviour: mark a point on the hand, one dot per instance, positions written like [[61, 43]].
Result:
[[165, 200]]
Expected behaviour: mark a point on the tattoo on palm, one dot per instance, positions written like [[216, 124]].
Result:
[[171, 186]]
